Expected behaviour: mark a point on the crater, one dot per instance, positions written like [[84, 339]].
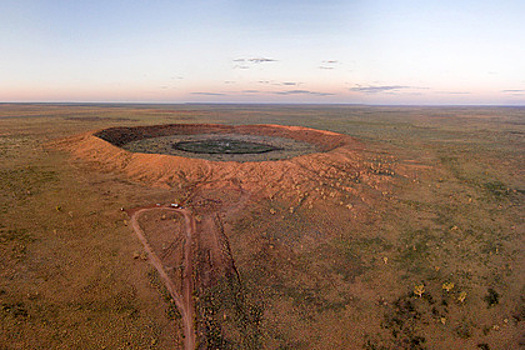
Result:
[[223, 147], [259, 158], [244, 143]]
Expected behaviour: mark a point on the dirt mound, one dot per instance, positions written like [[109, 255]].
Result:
[[330, 173]]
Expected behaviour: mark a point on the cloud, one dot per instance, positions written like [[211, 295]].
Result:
[[387, 89], [247, 63], [328, 64], [255, 60], [379, 88], [454, 92], [303, 92], [511, 91], [290, 83], [261, 60], [251, 91], [277, 83], [208, 93]]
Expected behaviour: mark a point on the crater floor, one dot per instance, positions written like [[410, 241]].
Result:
[[223, 147]]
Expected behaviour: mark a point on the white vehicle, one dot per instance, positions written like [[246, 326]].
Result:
[[174, 205]]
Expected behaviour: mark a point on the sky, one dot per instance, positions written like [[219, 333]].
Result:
[[388, 52]]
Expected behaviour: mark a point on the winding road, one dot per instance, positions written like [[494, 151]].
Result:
[[184, 300]]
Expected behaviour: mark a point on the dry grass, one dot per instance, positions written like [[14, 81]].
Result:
[[323, 277]]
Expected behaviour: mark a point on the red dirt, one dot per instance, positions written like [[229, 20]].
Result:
[[341, 157], [183, 301], [222, 188]]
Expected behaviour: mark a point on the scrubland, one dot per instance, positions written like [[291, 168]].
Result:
[[423, 250]]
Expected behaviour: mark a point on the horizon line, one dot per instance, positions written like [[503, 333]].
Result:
[[256, 104]]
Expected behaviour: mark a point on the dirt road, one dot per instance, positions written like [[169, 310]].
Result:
[[183, 301]]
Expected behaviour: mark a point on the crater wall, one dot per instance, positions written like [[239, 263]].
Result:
[[338, 159]]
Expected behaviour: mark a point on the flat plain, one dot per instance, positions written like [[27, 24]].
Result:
[[422, 248]]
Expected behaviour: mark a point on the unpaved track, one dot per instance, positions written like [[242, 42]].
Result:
[[208, 236], [184, 302]]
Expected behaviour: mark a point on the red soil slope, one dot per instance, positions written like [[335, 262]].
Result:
[[339, 161]]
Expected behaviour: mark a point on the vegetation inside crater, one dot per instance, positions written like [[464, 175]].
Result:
[[223, 146]]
